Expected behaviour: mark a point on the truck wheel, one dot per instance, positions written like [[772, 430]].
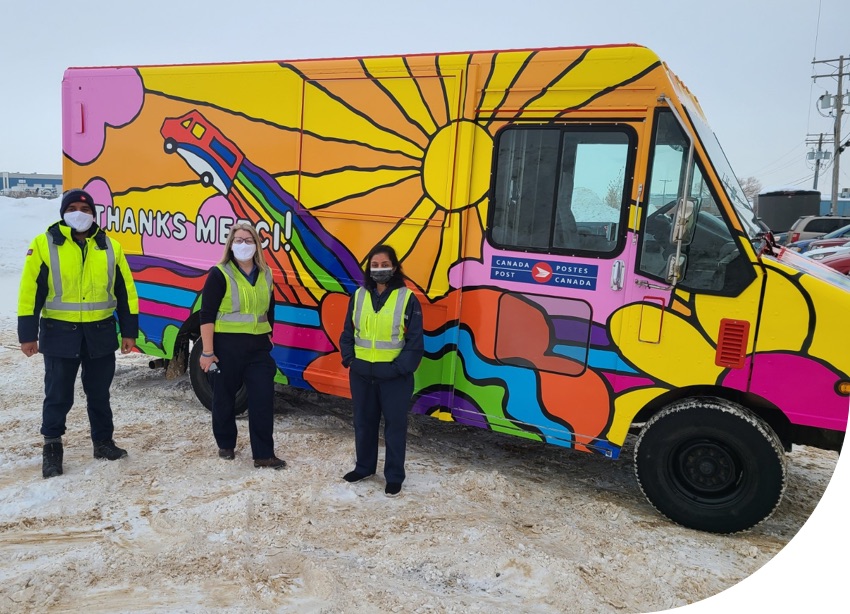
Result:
[[201, 383], [710, 464]]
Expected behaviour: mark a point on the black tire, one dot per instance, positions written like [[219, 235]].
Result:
[[170, 146], [206, 179], [201, 383], [710, 464]]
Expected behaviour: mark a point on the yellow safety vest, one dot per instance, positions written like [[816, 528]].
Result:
[[379, 335], [244, 307], [78, 289]]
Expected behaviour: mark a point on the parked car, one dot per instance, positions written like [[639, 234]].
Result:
[[839, 262], [819, 253], [815, 226], [835, 237]]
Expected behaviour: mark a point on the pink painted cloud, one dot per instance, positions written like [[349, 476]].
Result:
[[101, 194], [91, 103], [189, 251]]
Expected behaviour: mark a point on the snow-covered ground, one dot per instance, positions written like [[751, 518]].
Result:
[[486, 523]]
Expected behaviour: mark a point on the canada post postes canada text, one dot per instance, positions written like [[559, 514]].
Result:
[[544, 272]]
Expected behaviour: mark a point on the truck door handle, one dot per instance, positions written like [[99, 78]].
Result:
[[617, 271]]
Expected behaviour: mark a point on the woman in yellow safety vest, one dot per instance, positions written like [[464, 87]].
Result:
[[382, 346], [237, 314]]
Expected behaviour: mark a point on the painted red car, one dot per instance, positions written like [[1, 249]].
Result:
[[839, 262]]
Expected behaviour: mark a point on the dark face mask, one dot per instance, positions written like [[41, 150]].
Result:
[[381, 276]]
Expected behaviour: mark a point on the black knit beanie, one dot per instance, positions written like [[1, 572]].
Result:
[[75, 196]]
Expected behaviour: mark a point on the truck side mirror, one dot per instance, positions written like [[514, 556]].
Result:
[[676, 268], [683, 222]]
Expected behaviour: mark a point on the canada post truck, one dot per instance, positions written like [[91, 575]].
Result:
[[587, 262]]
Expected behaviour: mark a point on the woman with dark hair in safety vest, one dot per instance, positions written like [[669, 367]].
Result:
[[382, 346], [237, 313]]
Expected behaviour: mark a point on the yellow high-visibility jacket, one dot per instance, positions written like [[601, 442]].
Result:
[[64, 284], [244, 307], [379, 336]]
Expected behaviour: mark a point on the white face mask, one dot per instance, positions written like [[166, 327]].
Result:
[[243, 251], [78, 220]]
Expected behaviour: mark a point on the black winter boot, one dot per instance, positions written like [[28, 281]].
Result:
[[108, 450], [51, 463]]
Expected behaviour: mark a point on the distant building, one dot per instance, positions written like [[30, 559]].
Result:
[[30, 184], [842, 204], [779, 208]]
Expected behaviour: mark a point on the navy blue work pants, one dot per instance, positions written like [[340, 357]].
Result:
[[244, 359], [374, 398], [60, 375]]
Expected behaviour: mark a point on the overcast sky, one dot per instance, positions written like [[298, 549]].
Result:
[[749, 62]]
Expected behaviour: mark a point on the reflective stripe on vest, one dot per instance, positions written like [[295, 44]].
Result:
[[58, 302], [236, 320], [371, 342]]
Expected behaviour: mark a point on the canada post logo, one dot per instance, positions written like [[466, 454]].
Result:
[[544, 272]]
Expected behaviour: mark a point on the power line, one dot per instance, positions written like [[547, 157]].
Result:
[[817, 32], [765, 168], [779, 170], [814, 56], [801, 180]]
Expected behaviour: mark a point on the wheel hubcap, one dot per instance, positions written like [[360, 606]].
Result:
[[706, 470]]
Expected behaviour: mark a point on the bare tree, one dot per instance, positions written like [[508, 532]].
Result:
[[614, 193], [751, 187]]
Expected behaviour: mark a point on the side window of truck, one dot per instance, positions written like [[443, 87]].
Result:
[[561, 188], [714, 262]]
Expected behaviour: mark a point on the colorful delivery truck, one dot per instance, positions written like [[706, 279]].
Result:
[[587, 263]]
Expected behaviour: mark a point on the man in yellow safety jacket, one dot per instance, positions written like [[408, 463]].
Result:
[[75, 279]]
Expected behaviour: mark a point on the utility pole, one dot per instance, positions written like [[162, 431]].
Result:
[[839, 109], [817, 161], [817, 156], [665, 182], [836, 138]]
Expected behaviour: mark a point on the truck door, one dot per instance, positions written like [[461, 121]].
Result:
[[555, 257], [697, 298]]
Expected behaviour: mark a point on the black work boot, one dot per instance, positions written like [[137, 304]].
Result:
[[51, 463], [108, 450]]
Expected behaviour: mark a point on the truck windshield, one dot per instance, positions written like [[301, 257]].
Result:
[[729, 181]]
